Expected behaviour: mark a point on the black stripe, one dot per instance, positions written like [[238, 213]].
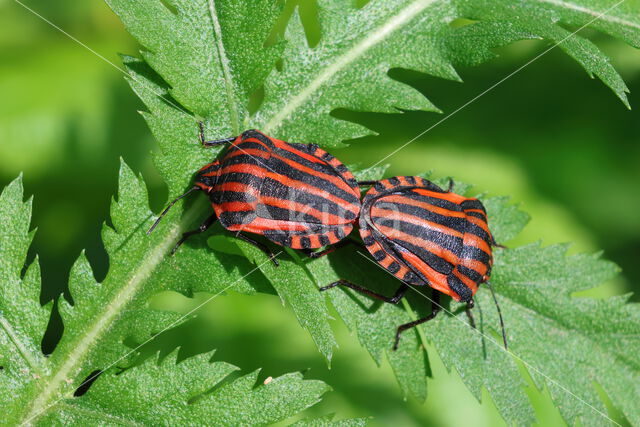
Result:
[[272, 188], [441, 203], [278, 166], [472, 204], [477, 215], [280, 214], [284, 192], [379, 186], [434, 261], [459, 288], [251, 145], [299, 159], [228, 219], [478, 231], [305, 242], [456, 223], [446, 241], [252, 133], [431, 186], [231, 196], [292, 172], [471, 252], [212, 167], [394, 267], [245, 178], [324, 240], [470, 273]]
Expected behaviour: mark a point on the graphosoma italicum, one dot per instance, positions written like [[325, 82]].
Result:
[[425, 236], [295, 195]]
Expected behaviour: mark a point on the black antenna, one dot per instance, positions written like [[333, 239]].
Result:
[[495, 300], [164, 212]]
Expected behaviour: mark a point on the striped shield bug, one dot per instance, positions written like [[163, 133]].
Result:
[[426, 236], [296, 195]]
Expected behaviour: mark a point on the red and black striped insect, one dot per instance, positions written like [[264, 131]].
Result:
[[296, 195], [426, 236]]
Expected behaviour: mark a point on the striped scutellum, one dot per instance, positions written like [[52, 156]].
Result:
[[425, 236]]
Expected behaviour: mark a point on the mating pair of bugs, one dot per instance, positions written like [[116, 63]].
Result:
[[301, 197]]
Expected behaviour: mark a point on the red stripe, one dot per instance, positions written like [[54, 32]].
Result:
[[322, 217], [428, 245], [397, 198], [299, 185], [334, 179], [392, 215], [437, 281], [467, 281], [480, 223], [471, 239], [290, 148]]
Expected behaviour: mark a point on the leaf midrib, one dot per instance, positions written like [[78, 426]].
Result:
[[73, 362], [377, 35], [226, 69]]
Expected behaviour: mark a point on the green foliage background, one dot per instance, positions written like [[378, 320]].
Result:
[[550, 137]]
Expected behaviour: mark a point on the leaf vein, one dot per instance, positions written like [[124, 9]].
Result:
[[16, 341], [376, 36], [226, 69]]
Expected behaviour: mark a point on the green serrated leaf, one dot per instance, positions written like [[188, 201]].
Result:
[[298, 289], [210, 52], [35, 389], [546, 19], [22, 319], [182, 393], [348, 68]]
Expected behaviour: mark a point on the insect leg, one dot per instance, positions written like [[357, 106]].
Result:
[[320, 254], [260, 246], [212, 143], [435, 309], [451, 185], [391, 300], [203, 227], [366, 183], [467, 310]]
